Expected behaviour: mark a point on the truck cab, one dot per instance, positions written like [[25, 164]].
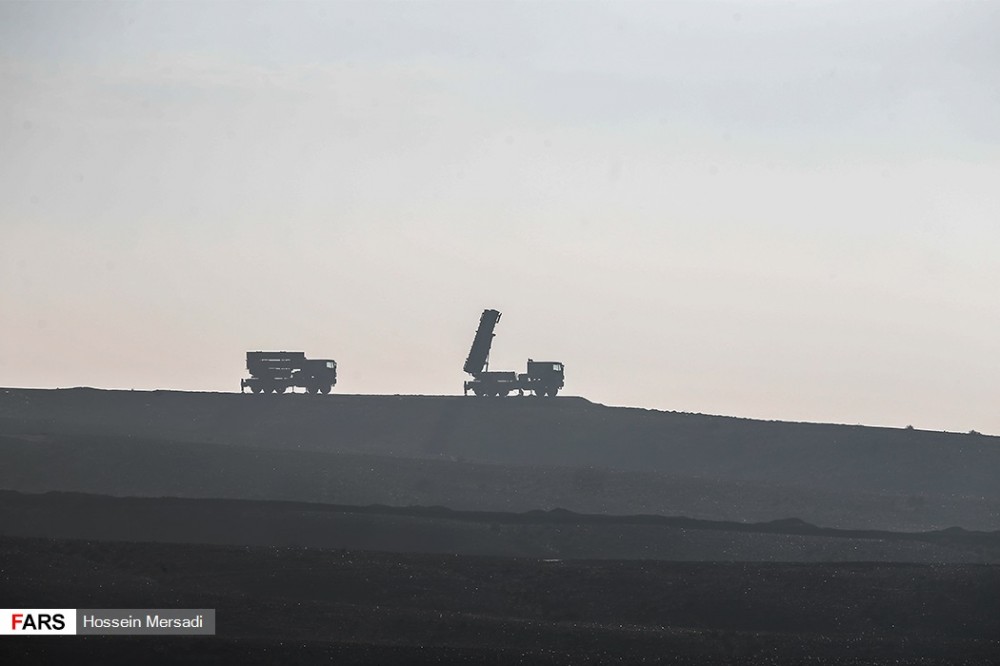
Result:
[[317, 375], [543, 377]]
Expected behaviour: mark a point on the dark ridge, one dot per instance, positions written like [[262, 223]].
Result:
[[533, 432], [139, 465], [83, 502]]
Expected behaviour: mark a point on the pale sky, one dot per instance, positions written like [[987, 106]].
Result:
[[773, 210]]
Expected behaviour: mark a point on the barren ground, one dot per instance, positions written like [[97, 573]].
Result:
[[408, 529]]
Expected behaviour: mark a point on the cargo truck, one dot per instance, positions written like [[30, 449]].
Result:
[[278, 371]]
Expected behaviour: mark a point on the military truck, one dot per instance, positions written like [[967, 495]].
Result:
[[278, 371], [543, 378]]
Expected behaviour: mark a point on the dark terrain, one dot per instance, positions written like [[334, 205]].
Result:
[[535, 534], [295, 603], [407, 529]]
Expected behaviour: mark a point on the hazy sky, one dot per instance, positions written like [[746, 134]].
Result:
[[766, 209]]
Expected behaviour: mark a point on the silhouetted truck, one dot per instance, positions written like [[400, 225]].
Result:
[[277, 371], [543, 378]]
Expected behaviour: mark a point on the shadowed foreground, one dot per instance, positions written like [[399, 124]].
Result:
[[362, 607]]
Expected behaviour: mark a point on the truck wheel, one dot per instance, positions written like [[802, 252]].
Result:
[[502, 393], [257, 389], [326, 389], [552, 392], [539, 392], [277, 389]]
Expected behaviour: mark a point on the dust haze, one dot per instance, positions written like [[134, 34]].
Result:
[[734, 208]]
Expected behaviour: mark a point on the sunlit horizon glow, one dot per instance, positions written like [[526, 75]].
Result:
[[765, 210]]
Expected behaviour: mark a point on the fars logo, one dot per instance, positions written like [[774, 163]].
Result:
[[37, 621]]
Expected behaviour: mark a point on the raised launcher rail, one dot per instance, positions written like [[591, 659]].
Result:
[[479, 353], [277, 371]]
